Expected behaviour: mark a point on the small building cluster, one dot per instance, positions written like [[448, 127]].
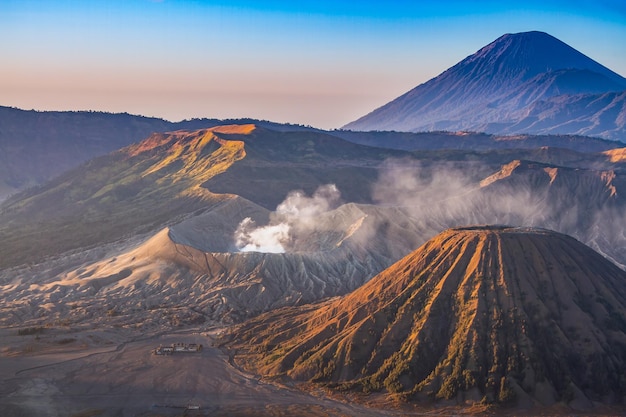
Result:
[[177, 348]]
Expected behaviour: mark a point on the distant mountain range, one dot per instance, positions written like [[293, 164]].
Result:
[[527, 82], [169, 176], [37, 146]]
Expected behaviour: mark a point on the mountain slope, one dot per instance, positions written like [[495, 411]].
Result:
[[168, 177], [601, 115], [36, 146], [495, 86], [493, 314], [588, 204], [130, 191], [280, 162], [196, 266]]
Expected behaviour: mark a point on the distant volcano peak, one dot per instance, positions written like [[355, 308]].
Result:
[[533, 53], [494, 89]]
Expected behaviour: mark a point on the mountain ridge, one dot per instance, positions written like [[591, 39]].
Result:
[[37, 146]]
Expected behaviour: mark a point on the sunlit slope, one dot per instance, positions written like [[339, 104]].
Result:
[[492, 314], [616, 155], [130, 191], [279, 162], [36, 146]]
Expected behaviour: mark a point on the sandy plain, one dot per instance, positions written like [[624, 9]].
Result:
[[88, 373]]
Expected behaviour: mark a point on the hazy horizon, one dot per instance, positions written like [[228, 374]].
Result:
[[316, 63]]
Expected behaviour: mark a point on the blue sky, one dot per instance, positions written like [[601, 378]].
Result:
[[322, 63]]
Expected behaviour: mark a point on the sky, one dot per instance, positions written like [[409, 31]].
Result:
[[320, 63]]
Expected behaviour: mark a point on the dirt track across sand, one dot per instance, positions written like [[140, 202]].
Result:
[[126, 379]]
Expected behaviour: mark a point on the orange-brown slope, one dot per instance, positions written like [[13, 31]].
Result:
[[134, 190], [476, 314], [616, 155]]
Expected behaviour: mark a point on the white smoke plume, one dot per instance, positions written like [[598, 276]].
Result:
[[439, 196], [402, 183], [296, 214], [269, 239], [442, 196]]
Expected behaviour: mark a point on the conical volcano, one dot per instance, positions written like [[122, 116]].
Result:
[[498, 89], [477, 314]]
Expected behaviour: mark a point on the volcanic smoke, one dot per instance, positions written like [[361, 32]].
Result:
[[297, 213]]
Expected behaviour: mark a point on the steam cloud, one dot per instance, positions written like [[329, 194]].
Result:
[[442, 196], [296, 214], [449, 197]]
